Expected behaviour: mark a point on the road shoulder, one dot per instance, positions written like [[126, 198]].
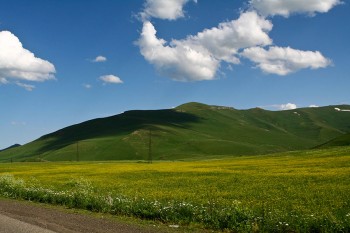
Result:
[[63, 220]]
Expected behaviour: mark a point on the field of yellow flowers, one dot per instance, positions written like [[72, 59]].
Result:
[[305, 191]]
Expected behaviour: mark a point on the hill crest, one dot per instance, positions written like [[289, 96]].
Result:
[[10, 147], [188, 131]]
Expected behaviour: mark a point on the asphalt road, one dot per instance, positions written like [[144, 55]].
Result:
[[11, 225]]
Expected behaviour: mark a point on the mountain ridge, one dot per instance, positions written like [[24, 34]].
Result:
[[188, 131]]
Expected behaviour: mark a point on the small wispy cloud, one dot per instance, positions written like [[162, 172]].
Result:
[[28, 87], [100, 59], [313, 106], [18, 123], [87, 86], [3, 81], [288, 106], [111, 79]]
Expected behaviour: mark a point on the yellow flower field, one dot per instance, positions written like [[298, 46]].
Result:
[[295, 191]]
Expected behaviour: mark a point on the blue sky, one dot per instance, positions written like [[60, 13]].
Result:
[[66, 61]]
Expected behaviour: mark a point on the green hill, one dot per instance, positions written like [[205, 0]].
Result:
[[10, 147], [343, 140], [191, 130]]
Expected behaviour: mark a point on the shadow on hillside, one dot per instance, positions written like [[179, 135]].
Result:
[[122, 124]]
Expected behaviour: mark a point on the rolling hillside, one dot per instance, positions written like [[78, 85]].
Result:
[[191, 130], [343, 140]]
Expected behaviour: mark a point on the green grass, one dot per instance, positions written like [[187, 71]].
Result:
[[343, 140], [188, 131], [305, 191]]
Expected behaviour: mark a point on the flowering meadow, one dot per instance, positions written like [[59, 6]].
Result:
[[306, 191]]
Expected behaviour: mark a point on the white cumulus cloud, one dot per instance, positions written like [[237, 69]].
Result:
[[198, 57], [111, 79], [18, 63], [163, 9], [313, 106], [100, 59], [179, 62], [288, 7], [285, 60], [224, 41]]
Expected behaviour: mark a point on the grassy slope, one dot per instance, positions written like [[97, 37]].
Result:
[[10, 147], [188, 131], [343, 140]]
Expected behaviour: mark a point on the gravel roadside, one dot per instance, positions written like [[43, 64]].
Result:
[[62, 221]]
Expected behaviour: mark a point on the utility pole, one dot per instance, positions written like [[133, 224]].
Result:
[[150, 147], [78, 151]]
